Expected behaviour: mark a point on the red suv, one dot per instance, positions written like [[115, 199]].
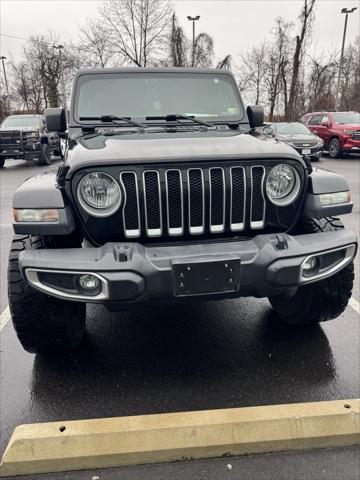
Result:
[[339, 130]]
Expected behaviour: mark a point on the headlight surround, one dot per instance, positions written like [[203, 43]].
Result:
[[282, 185], [32, 134], [99, 194]]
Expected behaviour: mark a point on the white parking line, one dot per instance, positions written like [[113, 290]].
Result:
[[4, 318], [354, 304]]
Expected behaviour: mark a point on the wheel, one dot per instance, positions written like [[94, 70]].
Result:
[[42, 323], [2, 162], [334, 148], [58, 153], [45, 155], [319, 301]]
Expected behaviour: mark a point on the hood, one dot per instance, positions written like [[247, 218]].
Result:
[[298, 137], [20, 129], [170, 147], [349, 126]]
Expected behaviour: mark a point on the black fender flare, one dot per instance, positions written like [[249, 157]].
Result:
[[43, 192], [324, 181]]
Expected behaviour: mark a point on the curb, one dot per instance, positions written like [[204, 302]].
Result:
[[120, 441]]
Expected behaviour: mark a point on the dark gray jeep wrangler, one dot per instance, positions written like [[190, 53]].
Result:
[[166, 196], [26, 137]]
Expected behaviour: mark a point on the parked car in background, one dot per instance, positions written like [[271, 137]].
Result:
[[340, 131], [26, 137], [297, 136]]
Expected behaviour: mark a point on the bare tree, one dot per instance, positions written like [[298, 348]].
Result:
[[320, 79], [136, 28], [251, 73], [350, 84], [306, 18], [203, 50], [277, 64], [94, 44], [181, 53], [225, 63], [179, 44]]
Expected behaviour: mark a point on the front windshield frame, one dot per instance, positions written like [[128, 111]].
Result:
[[76, 115], [35, 125], [302, 127], [352, 118]]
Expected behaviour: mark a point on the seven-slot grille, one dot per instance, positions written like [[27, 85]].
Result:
[[192, 201]]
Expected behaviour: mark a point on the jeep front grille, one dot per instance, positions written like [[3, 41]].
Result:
[[196, 201], [187, 201]]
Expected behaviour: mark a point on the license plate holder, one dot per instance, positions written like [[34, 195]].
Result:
[[306, 151], [206, 277]]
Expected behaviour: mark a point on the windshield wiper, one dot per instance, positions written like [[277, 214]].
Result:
[[173, 117], [115, 120]]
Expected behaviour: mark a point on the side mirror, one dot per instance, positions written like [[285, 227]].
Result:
[[255, 114], [325, 123], [55, 119]]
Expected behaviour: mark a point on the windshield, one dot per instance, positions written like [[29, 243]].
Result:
[[141, 95], [347, 117], [292, 128], [21, 121]]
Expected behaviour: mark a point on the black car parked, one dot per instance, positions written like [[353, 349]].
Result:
[[297, 136], [26, 137]]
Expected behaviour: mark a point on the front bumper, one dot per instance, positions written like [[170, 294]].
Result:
[[315, 152], [29, 150], [265, 265], [351, 145]]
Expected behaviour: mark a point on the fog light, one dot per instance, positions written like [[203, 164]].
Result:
[[310, 266], [90, 284]]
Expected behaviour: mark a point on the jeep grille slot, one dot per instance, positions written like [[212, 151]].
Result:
[[217, 200], [237, 199], [174, 202], [257, 210], [131, 211], [196, 196], [152, 203]]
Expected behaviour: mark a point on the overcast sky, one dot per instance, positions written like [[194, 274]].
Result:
[[234, 24]]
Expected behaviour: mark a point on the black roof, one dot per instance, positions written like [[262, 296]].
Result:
[[155, 70]]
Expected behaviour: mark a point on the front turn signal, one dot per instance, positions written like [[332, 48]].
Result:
[[35, 215]]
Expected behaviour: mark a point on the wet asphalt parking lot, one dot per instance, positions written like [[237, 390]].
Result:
[[203, 356]]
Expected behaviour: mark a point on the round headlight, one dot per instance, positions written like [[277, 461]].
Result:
[[99, 194], [282, 184]]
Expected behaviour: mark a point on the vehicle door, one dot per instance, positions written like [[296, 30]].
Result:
[[315, 123], [324, 129]]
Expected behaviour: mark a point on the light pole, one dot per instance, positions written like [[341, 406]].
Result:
[[193, 19], [6, 82], [346, 11], [60, 47]]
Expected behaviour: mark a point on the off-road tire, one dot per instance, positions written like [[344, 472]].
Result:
[[334, 148], [42, 323], [2, 162], [45, 154], [319, 301]]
